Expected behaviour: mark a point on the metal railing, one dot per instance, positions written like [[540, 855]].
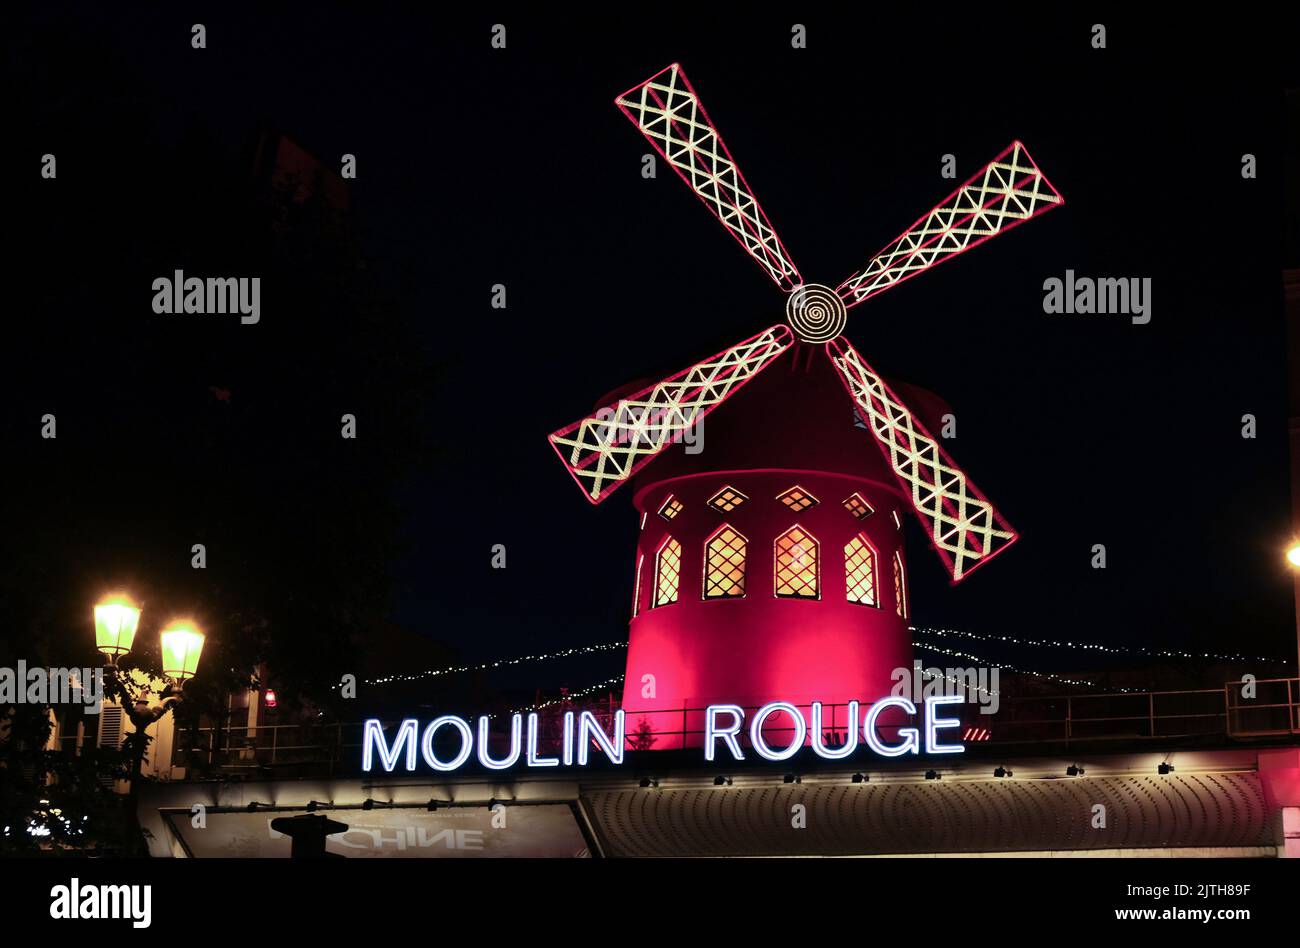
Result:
[[1223, 715], [322, 748]]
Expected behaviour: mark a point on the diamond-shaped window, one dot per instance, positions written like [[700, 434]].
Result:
[[671, 508], [857, 505], [797, 499], [727, 500]]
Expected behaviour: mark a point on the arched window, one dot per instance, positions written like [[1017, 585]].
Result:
[[797, 555], [668, 572], [900, 585], [860, 572], [724, 564]]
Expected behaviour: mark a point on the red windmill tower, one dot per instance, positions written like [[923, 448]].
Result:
[[770, 565]]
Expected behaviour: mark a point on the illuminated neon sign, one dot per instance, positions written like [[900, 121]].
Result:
[[723, 725]]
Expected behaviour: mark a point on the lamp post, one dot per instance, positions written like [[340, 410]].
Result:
[[116, 621]]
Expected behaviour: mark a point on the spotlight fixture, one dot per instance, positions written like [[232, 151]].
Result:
[[368, 805], [721, 781], [932, 775], [860, 778], [433, 806], [252, 806], [649, 782], [1165, 768], [1003, 772], [792, 778], [312, 806], [492, 802], [1074, 770]]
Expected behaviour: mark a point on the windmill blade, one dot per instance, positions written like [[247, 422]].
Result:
[[668, 112], [1009, 190], [963, 526], [606, 448]]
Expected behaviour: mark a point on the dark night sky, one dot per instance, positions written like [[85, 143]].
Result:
[[479, 166]]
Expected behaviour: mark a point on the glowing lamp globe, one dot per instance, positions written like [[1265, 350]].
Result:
[[181, 648], [116, 620], [1293, 555]]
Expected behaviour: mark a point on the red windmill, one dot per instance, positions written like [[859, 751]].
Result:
[[789, 467]]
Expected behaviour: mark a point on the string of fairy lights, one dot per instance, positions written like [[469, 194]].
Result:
[[499, 663], [1049, 676], [1094, 647], [916, 630], [570, 695], [932, 673]]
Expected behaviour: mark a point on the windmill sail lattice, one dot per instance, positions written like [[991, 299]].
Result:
[[963, 526], [604, 450], [668, 112], [1009, 190]]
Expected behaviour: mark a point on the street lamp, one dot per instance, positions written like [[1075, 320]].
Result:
[[116, 621]]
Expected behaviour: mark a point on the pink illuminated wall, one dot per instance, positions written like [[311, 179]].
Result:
[[790, 427]]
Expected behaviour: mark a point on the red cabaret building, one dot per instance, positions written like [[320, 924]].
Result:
[[770, 567], [734, 615]]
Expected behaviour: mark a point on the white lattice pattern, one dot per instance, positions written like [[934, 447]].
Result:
[[963, 525], [1009, 190], [667, 111], [604, 449]]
